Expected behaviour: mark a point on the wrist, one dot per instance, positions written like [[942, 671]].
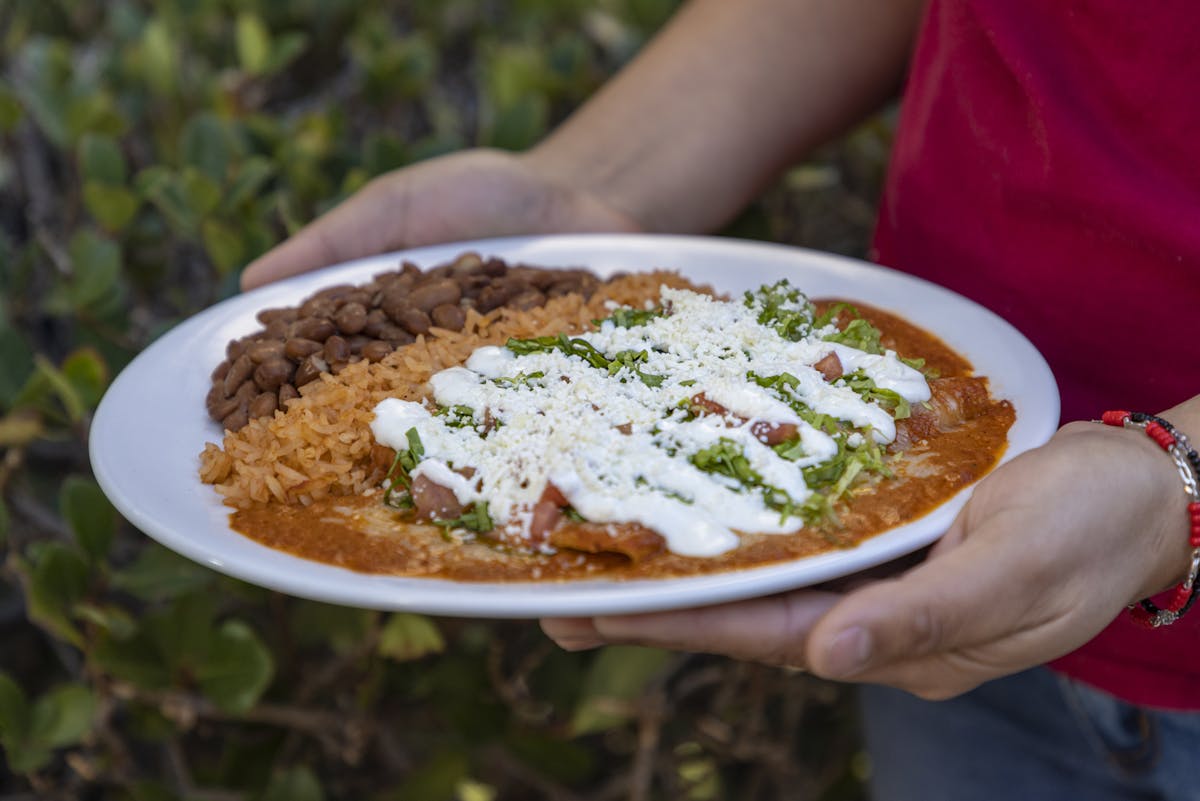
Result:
[[1175, 511]]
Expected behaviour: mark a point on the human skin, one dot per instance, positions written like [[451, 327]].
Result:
[[1050, 547]]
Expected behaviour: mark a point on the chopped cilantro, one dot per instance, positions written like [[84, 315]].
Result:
[[630, 318], [890, 400], [518, 380], [398, 474], [474, 518], [858, 334], [456, 416], [784, 308], [581, 348]]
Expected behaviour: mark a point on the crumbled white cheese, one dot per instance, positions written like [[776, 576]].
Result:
[[562, 426]]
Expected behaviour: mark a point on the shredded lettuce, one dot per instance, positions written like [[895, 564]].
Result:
[[630, 318], [784, 308]]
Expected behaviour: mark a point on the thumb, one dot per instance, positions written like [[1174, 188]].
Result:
[[971, 613]]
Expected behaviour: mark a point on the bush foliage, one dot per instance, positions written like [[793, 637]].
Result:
[[148, 150]]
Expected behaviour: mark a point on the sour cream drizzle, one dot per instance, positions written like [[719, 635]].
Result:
[[562, 427]]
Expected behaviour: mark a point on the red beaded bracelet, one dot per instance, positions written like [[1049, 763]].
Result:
[[1146, 612]]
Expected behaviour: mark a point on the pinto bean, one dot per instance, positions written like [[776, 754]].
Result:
[[466, 264], [529, 299], [337, 349], [495, 267], [448, 316], [375, 321], [218, 373], [351, 318], [317, 329], [335, 292], [276, 329], [219, 407], [235, 348], [414, 320], [491, 297], [237, 419], [286, 314], [266, 403], [297, 348], [376, 350], [265, 350], [286, 393], [270, 374], [309, 370], [429, 295], [396, 336], [238, 372], [317, 307]]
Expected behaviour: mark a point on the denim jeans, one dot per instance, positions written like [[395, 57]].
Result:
[[1035, 736]]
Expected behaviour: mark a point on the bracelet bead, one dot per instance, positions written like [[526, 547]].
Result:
[[1145, 612]]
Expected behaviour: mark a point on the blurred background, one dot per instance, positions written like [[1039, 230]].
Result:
[[148, 150]]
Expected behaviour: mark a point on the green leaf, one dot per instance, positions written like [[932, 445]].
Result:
[[5, 522], [113, 207], [342, 628], [87, 371], [109, 617], [147, 790], [164, 189], [62, 717], [238, 669], [617, 678], [159, 59], [89, 515], [101, 160], [251, 176], [436, 779], [58, 581], [287, 47], [62, 388], [14, 712], [96, 266], [184, 632], [16, 364], [520, 124], [202, 193], [294, 784], [253, 43], [223, 244], [407, 637], [135, 659], [205, 145], [10, 110], [159, 574]]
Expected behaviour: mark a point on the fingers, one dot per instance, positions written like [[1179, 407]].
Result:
[[770, 630], [967, 615], [363, 225], [572, 633]]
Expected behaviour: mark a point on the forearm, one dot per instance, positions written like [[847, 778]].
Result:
[[725, 97]]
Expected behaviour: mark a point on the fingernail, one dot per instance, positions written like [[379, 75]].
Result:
[[849, 652]]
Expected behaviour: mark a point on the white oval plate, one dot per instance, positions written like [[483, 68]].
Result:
[[151, 426]]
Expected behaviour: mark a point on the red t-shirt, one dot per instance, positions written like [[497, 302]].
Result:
[[1047, 165]]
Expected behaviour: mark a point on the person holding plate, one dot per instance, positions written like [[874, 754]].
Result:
[[1043, 166]]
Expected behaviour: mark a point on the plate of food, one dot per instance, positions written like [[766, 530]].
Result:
[[568, 425]]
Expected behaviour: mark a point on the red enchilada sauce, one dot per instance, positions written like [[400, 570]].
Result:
[[361, 533]]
